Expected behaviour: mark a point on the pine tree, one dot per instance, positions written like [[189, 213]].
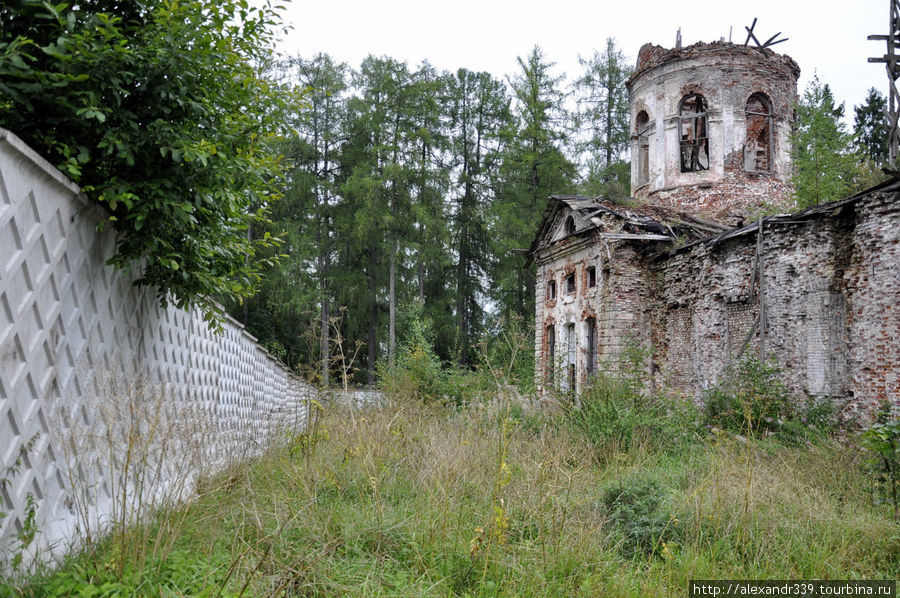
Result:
[[280, 314], [534, 167], [479, 112]]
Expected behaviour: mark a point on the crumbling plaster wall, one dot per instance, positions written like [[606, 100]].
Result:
[[831, 288], [726, 75], [830, 284], [620, 302]]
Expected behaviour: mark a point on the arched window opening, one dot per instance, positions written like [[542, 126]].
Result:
[[692, 131], [551, 353], [642, 133], [590, 331], [758, 147], [570, 225]]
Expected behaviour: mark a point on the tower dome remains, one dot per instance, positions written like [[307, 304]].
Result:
[[711, 127]]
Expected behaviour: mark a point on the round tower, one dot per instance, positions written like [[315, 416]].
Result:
[[711, 128]]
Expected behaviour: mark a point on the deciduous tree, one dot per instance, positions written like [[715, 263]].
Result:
[[160, 111]]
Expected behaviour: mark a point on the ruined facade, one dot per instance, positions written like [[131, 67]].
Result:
[[688, 270]]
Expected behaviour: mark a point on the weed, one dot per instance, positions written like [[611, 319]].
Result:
[[634, 505], [751, 399], [883, 439]]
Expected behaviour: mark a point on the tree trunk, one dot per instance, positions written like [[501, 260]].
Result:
[[373, 318]]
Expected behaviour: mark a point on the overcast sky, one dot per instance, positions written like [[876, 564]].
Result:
[[825, 36]]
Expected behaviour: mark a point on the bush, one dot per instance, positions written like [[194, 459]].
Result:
[[614, 412], [161, 113], [417, 371], [752, 398], [634, 506], [883, 440], [815, 418]]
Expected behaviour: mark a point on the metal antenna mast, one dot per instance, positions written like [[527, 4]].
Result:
[[893, 70]]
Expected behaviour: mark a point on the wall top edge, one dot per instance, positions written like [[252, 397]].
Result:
[[12, 140]]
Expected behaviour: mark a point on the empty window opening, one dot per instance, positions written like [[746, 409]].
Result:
[[551, 289], [570, 225], [592, 276], [591, 358], [551, 352], [692, 131], [642, 132], [570, 282], [758, 147], [570, 360]]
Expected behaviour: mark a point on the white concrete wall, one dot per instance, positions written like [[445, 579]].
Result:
[[83, 352]]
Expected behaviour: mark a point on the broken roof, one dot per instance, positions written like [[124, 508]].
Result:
[[816, 212], [640, 219], [653, 221]]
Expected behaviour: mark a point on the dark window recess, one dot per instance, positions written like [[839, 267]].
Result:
[[551, 352], [642, 131], [592, 277], [551, 289], [570, 365], [758, 147], [570, 283], [591, 332], [570, 226], [693, 133]]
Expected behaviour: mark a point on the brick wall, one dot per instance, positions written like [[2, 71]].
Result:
[[830, 285], [831, 289]]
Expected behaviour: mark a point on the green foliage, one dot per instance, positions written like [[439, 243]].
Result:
[[480, 116], [870, 128], [619, 410], [751, 399], [634, 505], [615, 416], [508, 352], [182, 573], [417, 372], [160, 112], [825, 166], [882, 439], [534, 167], [603, 122]]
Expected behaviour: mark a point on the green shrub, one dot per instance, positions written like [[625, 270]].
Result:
[[635, 508], [417, 371], [814, 419], [752, 398], [882, 439], [613, 411]]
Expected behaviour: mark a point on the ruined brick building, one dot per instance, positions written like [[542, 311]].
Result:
[[688, 268]]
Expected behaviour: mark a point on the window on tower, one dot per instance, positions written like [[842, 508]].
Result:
[[758, 147], [693, 133], [642, 133]]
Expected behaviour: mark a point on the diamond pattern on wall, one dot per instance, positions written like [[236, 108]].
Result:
[[75, 335]]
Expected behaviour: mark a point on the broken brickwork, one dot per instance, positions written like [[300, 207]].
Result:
[[828, 278], [688, 270], [831, 288]]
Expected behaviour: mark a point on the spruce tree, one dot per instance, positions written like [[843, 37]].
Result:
[[824, 161]]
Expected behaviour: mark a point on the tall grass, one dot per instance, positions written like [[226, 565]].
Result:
[[492, 499]]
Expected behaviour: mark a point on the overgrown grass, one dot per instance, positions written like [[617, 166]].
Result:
[[492, 499]]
